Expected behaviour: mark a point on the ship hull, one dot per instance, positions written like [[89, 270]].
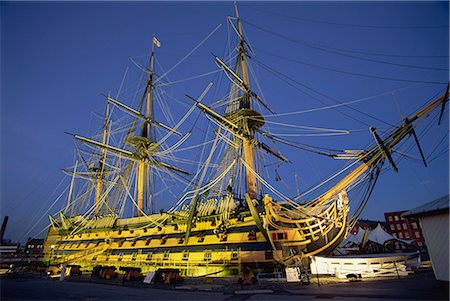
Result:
[[210, 249]]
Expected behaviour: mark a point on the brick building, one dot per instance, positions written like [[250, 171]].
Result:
[[405, 228], [34, 246]]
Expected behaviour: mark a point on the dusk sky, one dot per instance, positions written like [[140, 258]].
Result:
[[58, 59]]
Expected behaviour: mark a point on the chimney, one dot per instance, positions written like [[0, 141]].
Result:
[[2, 231]]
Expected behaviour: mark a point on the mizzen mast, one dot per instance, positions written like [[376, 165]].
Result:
[[99, 180]]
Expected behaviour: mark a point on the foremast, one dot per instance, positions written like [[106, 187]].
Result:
[[243, 115]]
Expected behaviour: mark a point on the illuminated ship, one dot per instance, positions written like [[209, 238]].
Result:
[[229, 216]]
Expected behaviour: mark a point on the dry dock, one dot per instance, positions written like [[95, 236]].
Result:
[[419, 286]]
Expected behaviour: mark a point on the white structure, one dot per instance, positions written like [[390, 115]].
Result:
[[380, 236], [434, 220], [377, 235], [363, 266], [356, 239]]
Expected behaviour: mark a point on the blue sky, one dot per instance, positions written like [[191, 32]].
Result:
[[57, 59]]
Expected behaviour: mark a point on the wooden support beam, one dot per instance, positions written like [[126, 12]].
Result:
[[386, 152], [413, 132], [443, 104]]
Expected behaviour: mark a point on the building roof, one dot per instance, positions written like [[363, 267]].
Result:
[[38, 241], [440, 205], [365, 223]]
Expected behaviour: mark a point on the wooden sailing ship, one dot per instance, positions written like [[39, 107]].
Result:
[[211, 230]]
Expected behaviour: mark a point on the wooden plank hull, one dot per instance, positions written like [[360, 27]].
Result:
[[136, 242]]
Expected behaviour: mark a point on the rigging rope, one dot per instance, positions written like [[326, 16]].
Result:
[[348, 72], [44, 214], [278, 74], [187, 55], [349, 24], [330, 50]]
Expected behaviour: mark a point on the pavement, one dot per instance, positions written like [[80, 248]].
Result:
[[419, 286]]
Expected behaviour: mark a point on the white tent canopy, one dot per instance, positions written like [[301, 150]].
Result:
[[356, 239], [380, 236]]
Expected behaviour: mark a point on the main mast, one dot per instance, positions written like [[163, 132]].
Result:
[[144, 144], [144, 170]]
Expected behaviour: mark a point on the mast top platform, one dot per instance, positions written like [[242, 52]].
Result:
[[253, 118]]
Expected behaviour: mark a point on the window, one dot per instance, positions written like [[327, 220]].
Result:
[[417, 234], [149, 256], [400, 235], [404, 226], [234, 255], [223, 237], [399, 227], [279, 236], [166, 255], [269, 254], [207, 256], [185, 255], [407, 236], [396, 218], [419, 243], [390, 218], [392, 227], [414, 225]]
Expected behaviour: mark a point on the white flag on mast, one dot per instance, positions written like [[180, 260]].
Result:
[[156, 42]]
